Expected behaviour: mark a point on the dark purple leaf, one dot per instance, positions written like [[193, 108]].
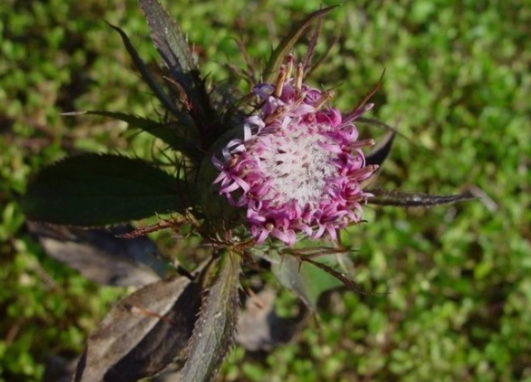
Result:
[[147, 76], [143, 333], [215, 329], [100, 256], [407, 199], [323, 56], [167, 37], [176, 54], [381, 151], [369, 95], [165, 132], [312, 44]]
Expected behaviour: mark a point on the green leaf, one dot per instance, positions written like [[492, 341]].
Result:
[[146, 74], [215, 329], [174, 50], [286, 44], [96, 190], [305, 280], [162, 131], [413, 199]]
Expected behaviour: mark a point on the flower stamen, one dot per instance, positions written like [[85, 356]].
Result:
[[290, 66], [362, 143], [298, 101], [280, 81], [275, 115], [299, 75], [325, 97], [364, 171]]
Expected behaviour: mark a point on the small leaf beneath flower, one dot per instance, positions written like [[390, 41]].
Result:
[[142, 334], [97, 190], [100, 256], [286, 44], [215, 329], [303, 279], [407, 199], [168, 134], [147, 76]]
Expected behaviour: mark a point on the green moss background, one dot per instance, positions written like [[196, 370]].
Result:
[[457, 85]]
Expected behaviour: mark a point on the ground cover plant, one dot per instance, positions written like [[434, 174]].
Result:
[[458, 302]]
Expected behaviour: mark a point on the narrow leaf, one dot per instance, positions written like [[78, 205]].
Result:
[[324, 56], [369, 95], [312, 44], [174, 50], [215, 329], [305, 280], [163, 131], [381, 151], [376, 123], [406, 199], [100, 256], [167, 36], [146, 74], [286, 44], [96, 190], [142, 334], [340, 276]]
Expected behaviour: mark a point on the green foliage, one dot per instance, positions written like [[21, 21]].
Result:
[[457, 86]]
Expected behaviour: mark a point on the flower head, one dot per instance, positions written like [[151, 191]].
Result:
[[299, 166]]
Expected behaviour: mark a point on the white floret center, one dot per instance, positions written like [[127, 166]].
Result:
[[297, 165]]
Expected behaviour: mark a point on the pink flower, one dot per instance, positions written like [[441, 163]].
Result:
[[299, 165]]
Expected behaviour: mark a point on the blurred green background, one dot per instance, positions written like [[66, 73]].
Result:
[[457, 85]]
